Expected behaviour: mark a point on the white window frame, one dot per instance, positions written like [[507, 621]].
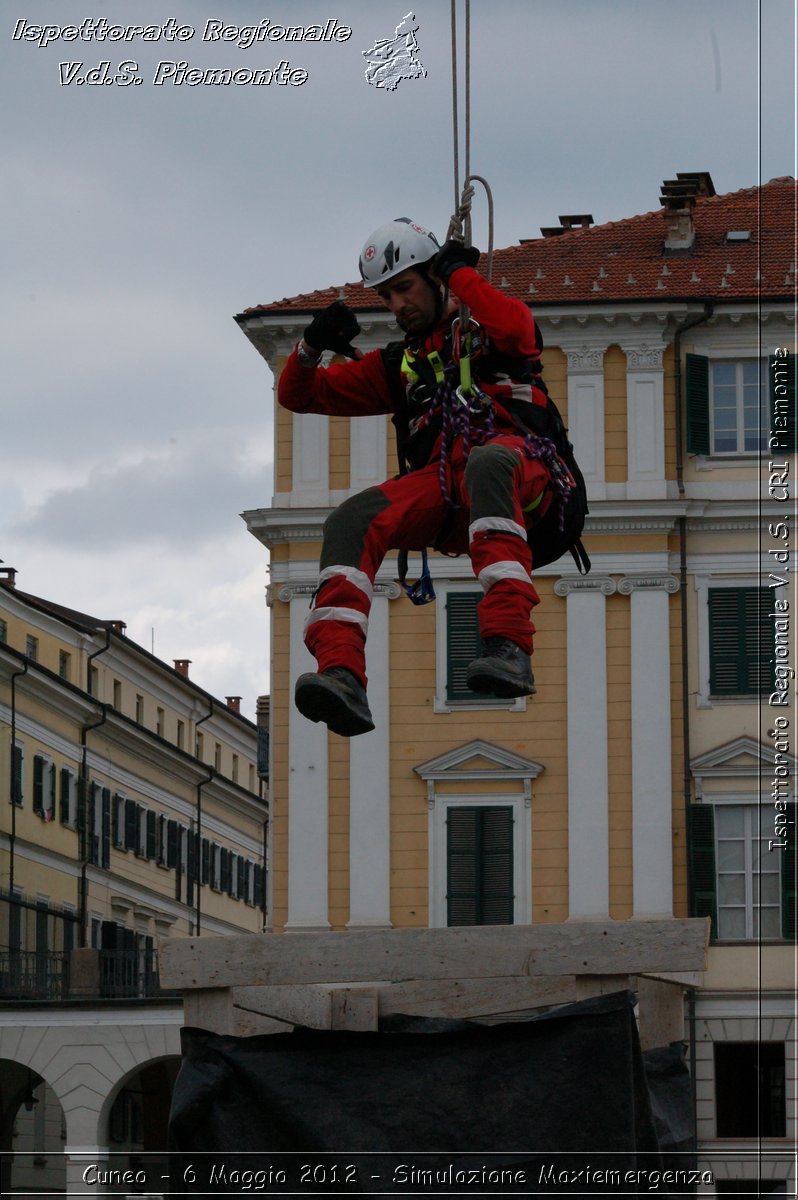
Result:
[[749, 805], [747, 344], [440, 702], [738, 361]]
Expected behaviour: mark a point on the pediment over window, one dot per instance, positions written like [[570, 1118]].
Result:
[[744, 757], [478, 760]]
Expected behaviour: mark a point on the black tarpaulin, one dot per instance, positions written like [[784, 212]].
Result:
[[563, 1087]]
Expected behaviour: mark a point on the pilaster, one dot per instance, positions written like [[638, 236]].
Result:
[[369, 784], [645, 417], [308, 813], [652, 798], [588, 766], [586, 410]]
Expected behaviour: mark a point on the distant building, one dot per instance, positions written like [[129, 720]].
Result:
[[654, 772], [133, 810]]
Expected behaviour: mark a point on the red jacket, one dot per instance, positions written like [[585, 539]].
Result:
[[506, 366]]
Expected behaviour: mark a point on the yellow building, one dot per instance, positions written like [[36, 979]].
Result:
[[134, 810], [632, 785]]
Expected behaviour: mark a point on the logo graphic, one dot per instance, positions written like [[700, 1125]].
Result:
[[370, 252], [390, 60]]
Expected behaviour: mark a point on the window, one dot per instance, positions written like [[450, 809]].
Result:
[[181, 735], [479, 865], [3, 631], [139, 710], [118, 822], [141, 831], [234, 775], [735, 405], [741, 641], [68, 797], [749, 1089], [217, 757], [32, 647], [159, 721], [744, 885], [118, 695], [64, 664], [44, 788]]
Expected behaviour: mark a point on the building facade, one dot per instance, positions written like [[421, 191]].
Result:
[[135, 809], [653, 772]]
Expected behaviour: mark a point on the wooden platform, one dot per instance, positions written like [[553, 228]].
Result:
[[266, 983]]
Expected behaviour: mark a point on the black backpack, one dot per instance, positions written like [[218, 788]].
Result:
[[557, 531], [554, 534]]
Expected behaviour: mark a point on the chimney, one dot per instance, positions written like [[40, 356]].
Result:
[[678, 197], [568, 222], [182, 665], [234, 703], [118, 626], [8, 576]]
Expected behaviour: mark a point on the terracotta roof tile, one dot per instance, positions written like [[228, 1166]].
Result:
[[626, 260]]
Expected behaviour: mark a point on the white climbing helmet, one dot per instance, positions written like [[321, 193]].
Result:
[[393, 248]]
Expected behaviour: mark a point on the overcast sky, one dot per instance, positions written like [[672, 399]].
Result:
[[136, 418]]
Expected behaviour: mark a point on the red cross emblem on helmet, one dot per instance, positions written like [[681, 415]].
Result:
[[370, 252]]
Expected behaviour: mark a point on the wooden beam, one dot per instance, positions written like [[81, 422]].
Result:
[[478, 952]]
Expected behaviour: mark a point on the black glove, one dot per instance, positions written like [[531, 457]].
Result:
[[453, 254], [333, 329]]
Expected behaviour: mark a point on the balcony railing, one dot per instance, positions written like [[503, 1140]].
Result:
[[27, 975], [81, 974]]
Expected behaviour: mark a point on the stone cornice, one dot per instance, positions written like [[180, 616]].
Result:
[[284, 526]]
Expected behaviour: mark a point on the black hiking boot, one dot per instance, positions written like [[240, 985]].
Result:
[[504, 670], [337, 697]]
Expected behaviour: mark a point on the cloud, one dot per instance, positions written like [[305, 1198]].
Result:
[[184, 496]]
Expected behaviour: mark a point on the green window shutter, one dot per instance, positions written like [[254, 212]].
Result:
[[701, 853], [38, 785], [258, 886], [17, 764], [131, 825], [463, 642], [66, 787], [781, 380], [479, 856], [151, 835], [740, 641], [105, 851], [789, 877], [91, 826], [696, 381], [51, 799]]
